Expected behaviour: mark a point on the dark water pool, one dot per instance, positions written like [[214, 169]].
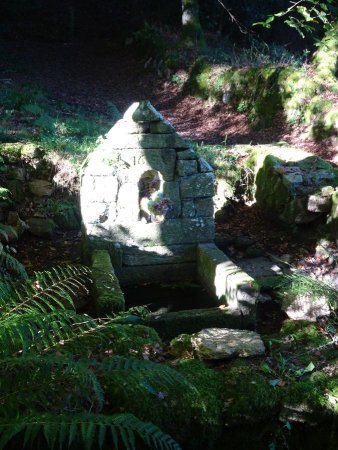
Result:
[[168, 297]]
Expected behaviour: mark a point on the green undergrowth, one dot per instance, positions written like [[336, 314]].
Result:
[[262, 91], [30, 117]]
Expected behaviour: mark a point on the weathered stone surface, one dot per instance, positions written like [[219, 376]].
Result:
[[204, 207], [199, 185], [162, 160], [204, 166], [16, 173], [332, 220], [225, 280], [170, 325], [41, 188], [31, 151], [159, 273], [142, 112], [170, 232], [143, 256], [99, 188], [186, 167], [127, 126], [219, 343], [127, 203], [171, 190], [41, 226], [188, 208], [187, 154], [95, 213], [260, 267], [132, 189], [305, 307], [106, 291], [161, 128], [321, 201], [295, 191]]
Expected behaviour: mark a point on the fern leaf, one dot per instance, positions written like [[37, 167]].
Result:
[[83, 428]]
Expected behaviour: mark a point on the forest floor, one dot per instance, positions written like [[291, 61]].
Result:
[[92, 75]]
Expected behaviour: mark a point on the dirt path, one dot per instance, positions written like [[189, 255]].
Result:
[[90, 76]]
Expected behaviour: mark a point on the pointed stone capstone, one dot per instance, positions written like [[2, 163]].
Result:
[[142, 112]]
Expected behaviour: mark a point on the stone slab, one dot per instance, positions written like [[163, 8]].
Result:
[[161, 128], [199, 185], [170, 232], [225, 280], [220, 343], [170, 325], [186, 167], [98, 188], [158, 273], [204, 207], [187, 154], [188, 208], [143, 256], [172, 191]]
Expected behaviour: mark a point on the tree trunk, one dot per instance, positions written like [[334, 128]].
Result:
[[192, 33]]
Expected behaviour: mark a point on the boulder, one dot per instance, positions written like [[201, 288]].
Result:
[[41, 226], [295, 191], [219, 343], [41, 188], [304, 307]]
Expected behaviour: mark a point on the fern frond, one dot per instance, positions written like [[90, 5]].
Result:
[[5, 230], [50, 291], [40, 331], [57, 380], [12, 265], [143, 368], [85, 429]]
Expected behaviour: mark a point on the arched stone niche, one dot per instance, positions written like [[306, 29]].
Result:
[[149, 183]]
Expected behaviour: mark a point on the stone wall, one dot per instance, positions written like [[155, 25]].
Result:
[[35, 201], [146, 190]]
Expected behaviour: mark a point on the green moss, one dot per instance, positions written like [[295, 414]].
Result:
[[315, 392], [191, 411], [108, 296], [207, 80], [326, 57], [181, 346], [248, 395], [132, 340], [302, 332]]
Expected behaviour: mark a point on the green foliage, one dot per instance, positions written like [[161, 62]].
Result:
[[54, 127], [304, 16], [52, 362]]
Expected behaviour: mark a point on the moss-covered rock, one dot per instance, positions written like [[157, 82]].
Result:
[[293, 188], [248, 396], [106, 290], [132, 340], [181, 346], [302, 332], [189, 410]]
